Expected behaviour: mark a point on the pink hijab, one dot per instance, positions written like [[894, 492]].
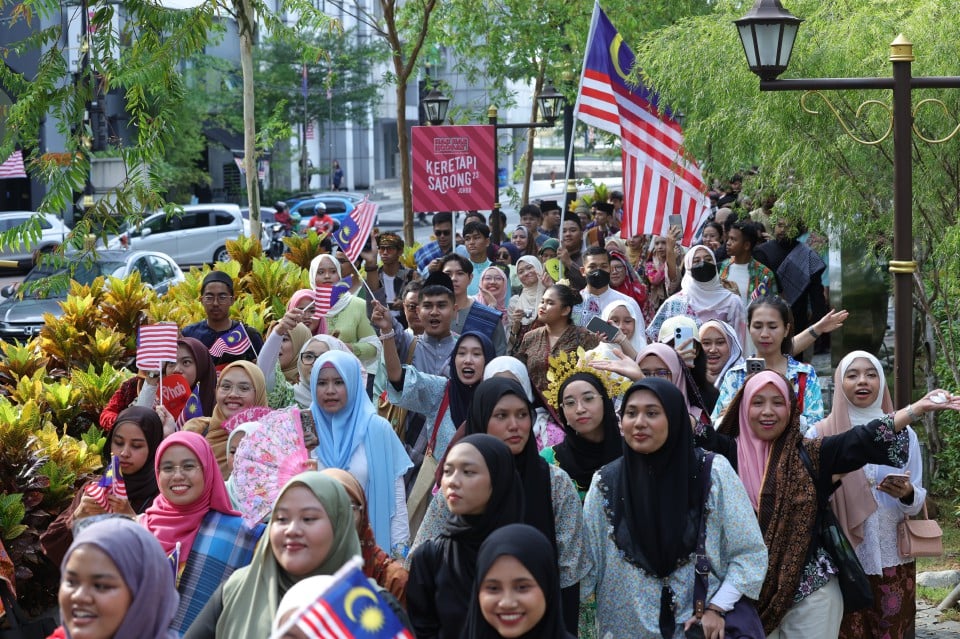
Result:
[[752, 452], [299, 296], [675, 365], [170, 523], [501, 299]]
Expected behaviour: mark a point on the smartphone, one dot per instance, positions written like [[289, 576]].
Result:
[[682, 334], [896, 478], [675, 220], [755, 365], [598, 325]]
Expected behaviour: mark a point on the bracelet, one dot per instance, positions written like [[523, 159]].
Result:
[[722, 613], [813, 333], [912, 415], [386, 336]]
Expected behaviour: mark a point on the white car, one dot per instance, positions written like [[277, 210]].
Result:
[[52, 233], [197, 236]]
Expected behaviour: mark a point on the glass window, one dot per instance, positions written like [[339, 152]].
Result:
[[223, 219], [161, 268], [335, 206]]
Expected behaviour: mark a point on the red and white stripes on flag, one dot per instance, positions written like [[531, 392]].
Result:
[[156, 343], [13, 167], [111, 483], [355, 229], [658, 178]]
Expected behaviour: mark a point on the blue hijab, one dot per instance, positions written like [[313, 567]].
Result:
[[358, 423]]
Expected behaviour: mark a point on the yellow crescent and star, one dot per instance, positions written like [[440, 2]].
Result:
[[371, 617], [615, 55]]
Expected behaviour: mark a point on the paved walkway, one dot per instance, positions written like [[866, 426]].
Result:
[[929, 627]]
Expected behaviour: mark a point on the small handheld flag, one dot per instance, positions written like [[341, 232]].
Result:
[[111, 483], [235, 342], [355, 229], [156, 343], [174, 559]]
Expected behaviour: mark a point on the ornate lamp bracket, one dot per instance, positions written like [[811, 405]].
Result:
[[843, 123], [946, 112]]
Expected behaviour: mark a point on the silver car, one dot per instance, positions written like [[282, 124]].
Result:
[[52, 233]]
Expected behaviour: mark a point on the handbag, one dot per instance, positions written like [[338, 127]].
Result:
[[394, 414], [920, 537], [854, 585], [422, 491], [743, 621], [21, 626]]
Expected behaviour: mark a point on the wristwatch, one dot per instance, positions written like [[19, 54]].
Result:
[[722, 613]]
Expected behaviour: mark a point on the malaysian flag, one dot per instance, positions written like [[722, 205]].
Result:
[[193, 408], [156, 343], [234, 341], [12, 167], [658, 179], [355, 229], [110, 484], [349, 608]]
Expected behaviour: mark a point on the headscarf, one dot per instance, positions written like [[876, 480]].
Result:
[[246, 428], [529, 298], [252, 593], [377, 564], [299, 296], [206, 385], [500, 303], [345, 296], [142, 485], [531, 247], [299, 335], [216, 435], [302, 391], [654, 500], [675, 365], [461, 395], [853, 501], [145, 570], [528, 546], [788, 500], [357, 424], [462, 535], [639, 339], [512, 365], [533, 470], [315, 266], [513, 250], [301, 594], [736, 349], [702, 296], [752, 452], [170, 522], [632, 286], [577, 456]]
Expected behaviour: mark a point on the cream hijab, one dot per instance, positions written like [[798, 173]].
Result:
[[529, 298]]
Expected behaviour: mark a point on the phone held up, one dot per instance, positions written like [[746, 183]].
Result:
[[755, 365], [598, 325]]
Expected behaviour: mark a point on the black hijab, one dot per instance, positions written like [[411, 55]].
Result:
[[461, 394], [141, 485], [535, 552], [532, 468], [579, 457], [206, 384], [655, 499]]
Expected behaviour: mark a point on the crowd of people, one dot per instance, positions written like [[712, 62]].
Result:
[[548, 434]]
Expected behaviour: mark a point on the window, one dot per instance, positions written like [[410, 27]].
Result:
[[195, 220], [223, 219], [145, 275], [162, 269], [335, 206]]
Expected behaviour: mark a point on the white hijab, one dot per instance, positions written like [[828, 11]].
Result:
[[703, 296], [874, 410], [639, 338], [529, 298], [299, 596], [736, 350]]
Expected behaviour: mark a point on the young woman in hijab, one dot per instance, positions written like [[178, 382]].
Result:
[[116, 584], [311, 532], [240, 386], [659, 268], [311, 350], [500, 408], [134, 439], [279, 357], [591, 428], [517, 589], [354, 438], [801, 596], [482, 491], [522, 308], [495, 291], [623, 317], [440, 400], [701, 296], [193, 512], [722, 347], [525, 244], [347, 319], [642, 516], [624, 279], [869, 503], [303, 300], [692, 355], [545, 429], [388, 572]]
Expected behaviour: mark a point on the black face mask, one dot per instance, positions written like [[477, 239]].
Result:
[[598, 279], [704, 273]]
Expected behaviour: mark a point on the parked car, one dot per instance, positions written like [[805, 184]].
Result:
[[21, 313], [52, 233], [339, 206], [309, 195], [197, 236]]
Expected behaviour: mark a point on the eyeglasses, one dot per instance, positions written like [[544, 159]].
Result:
[[241, 389], [222, 298], [187, 468], [307, 357], [657, 372], [572, 402], [618, 268], [409, 307], [442, 232], [357, 508]]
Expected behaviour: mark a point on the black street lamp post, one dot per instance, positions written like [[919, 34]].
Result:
[[768, 33]]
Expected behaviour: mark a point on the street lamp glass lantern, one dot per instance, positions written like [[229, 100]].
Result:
[[435, 107], [551, 103], [768, 33]]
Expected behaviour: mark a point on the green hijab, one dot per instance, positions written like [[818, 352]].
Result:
[[252, 594]]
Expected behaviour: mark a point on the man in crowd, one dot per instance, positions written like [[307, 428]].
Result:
[[571, 250], [531, 217], [476, 240], [472, 315], [238, 341], [428, 256], [551, 218], [616, 199], [387, 279], [752, 278], [597, 293], [603, 225]]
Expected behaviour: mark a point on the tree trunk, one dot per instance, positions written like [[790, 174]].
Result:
[[245, 22], [403, 145], [531, 136]]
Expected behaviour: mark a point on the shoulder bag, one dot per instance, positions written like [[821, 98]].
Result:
[[422, 491], [920, 537], [743, 621]]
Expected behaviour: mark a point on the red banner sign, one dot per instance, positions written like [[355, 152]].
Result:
[[453, 168]]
